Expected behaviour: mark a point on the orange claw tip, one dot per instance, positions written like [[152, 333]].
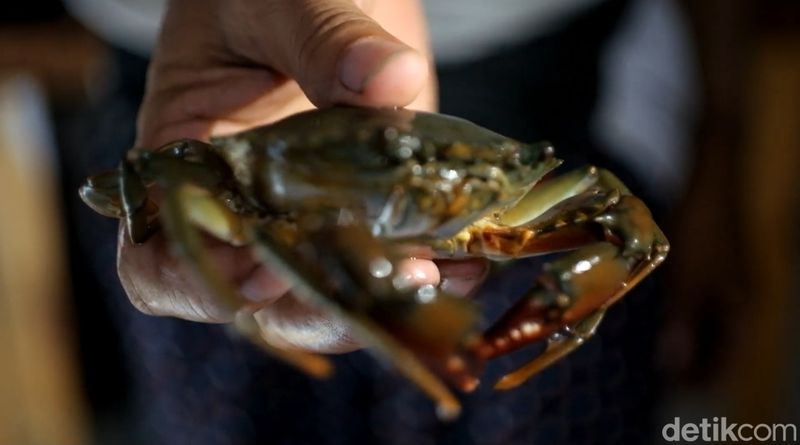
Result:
[[464, 382], [509, 381], [521, 375], [470, 385], [318, 367]]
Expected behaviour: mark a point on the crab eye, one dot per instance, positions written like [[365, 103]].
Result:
[[536, 153]]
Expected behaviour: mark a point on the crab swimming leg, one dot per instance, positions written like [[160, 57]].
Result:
[[355, 301], [616, 244], [189, 206]]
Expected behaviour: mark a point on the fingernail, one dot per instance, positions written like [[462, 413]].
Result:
[[413, 273], [263, 286], [408, 281], [461, 278], [458, 287], [464, 269], [364, 59], [252, 291]]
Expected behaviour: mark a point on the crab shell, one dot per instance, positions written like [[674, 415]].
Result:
[[405, 173]]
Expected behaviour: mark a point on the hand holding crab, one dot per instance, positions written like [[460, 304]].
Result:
[[225, 66]]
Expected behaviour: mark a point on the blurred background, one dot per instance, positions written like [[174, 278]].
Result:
[[726, 341]]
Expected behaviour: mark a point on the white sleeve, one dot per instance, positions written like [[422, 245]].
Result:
[[130, 24], [466, 30]]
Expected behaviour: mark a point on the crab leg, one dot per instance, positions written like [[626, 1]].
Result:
[[556, 311], [133, 194], [617, 244], [350, 301], [558, 347]]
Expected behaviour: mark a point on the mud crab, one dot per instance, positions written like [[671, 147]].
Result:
[[334, 198]]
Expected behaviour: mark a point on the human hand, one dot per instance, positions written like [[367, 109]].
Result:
[[222, 66]]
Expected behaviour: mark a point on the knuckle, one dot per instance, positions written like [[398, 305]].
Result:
[[207, 311], [291, 323], [132, 290], [136, 298], [322, 26]]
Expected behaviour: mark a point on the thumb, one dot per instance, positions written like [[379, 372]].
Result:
[[337, 53]]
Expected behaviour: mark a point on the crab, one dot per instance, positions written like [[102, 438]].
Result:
[[335, 198]]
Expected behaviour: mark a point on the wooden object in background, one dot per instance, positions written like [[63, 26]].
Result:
[[40, 395], [61, 54], [771, 195]]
